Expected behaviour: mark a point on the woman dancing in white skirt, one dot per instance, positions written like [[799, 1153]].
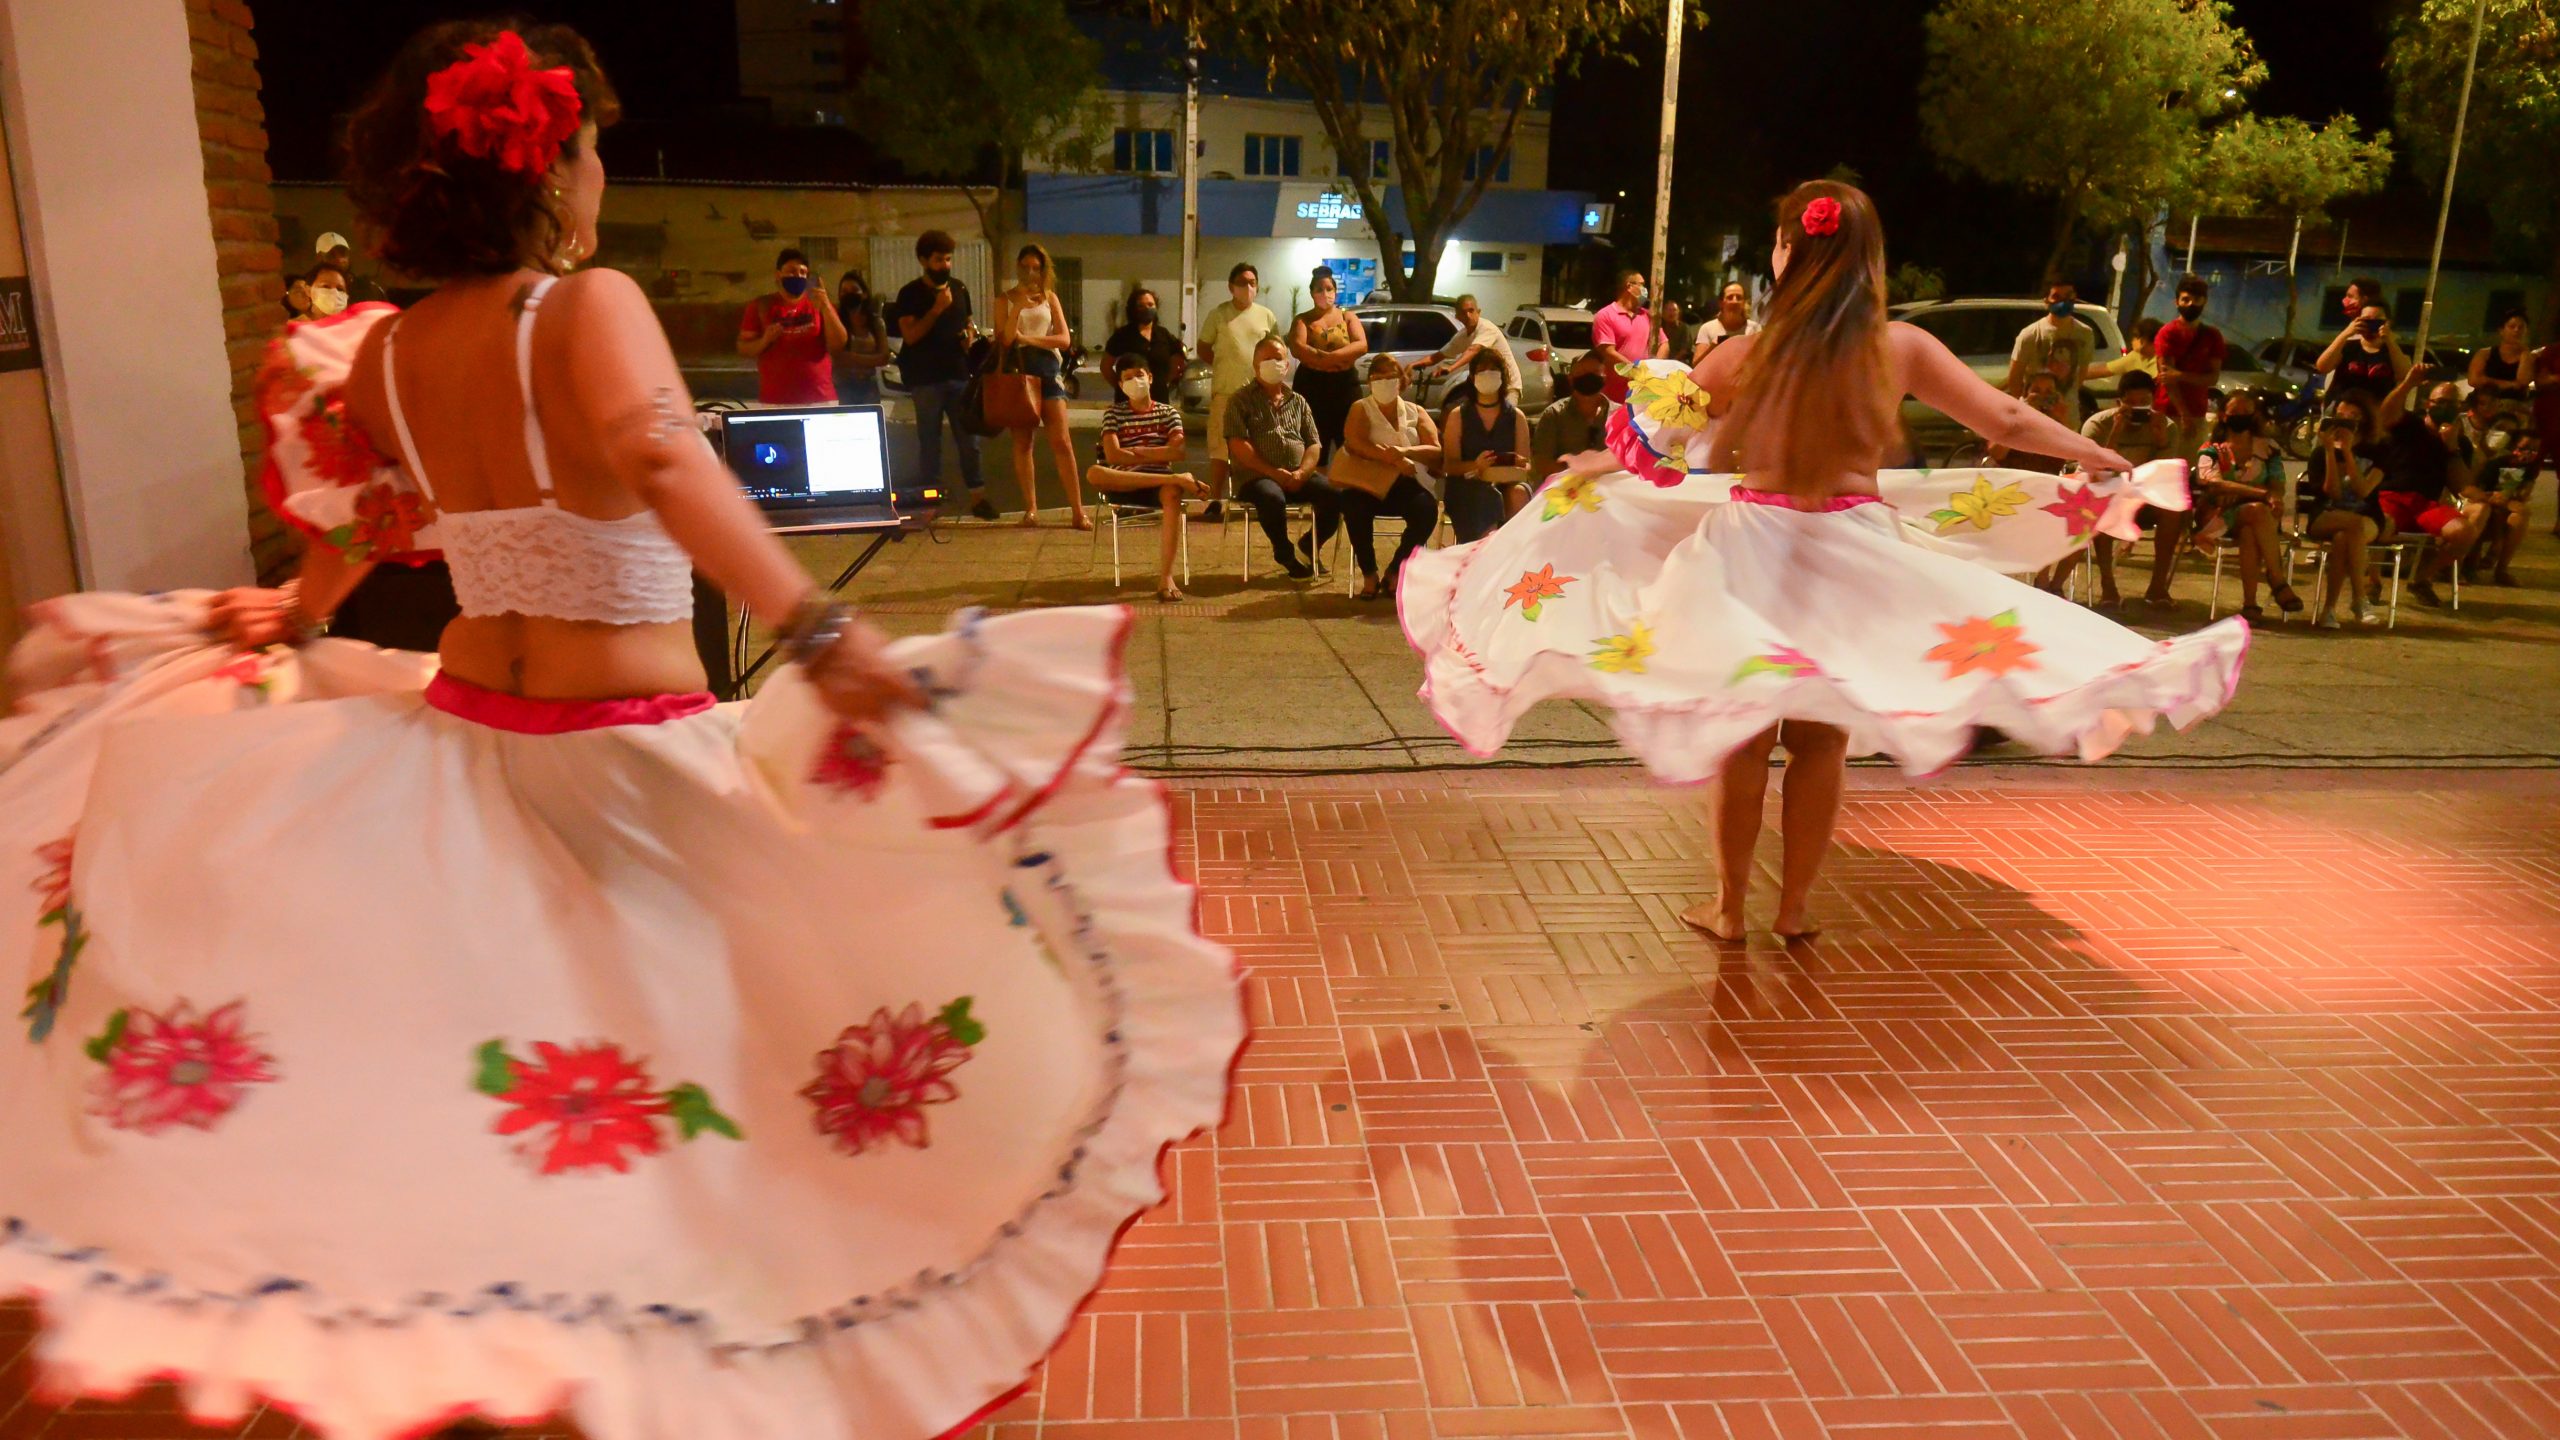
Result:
[[1733, 577], [540, 1037]]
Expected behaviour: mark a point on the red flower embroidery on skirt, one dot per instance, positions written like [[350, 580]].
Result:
[[387, 521], [875, 1081], [2079, 509], [340, 450], [53, 887], [851, 762], [584, 1107], [177, 1069]]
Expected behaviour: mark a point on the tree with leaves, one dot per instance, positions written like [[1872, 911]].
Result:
[[1453, 80], [2262, 165], [2096, 103], [2514, 129], [959, 88]]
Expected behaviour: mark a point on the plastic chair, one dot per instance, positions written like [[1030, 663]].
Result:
[[1116, 514], [1323, 556], [2407, 549]]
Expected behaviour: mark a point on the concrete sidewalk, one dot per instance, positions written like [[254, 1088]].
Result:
[[1286, 677]]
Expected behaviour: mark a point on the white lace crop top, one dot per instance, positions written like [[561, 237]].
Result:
[[541, 560]]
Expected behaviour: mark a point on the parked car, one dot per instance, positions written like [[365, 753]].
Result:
[[1546, 340], [1412, 333], [1982, 334]]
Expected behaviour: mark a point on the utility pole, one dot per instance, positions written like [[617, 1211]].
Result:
[[2452, 165], [1662, 161], [2194, 218], [1191, 184]]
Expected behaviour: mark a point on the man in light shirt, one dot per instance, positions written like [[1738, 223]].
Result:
[[1475, 335], [2056, 343], [1228, 338]]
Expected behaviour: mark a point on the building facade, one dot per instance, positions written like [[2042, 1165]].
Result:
[[2247, 262]]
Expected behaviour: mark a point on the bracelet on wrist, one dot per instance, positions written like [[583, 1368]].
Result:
[[816, 624]]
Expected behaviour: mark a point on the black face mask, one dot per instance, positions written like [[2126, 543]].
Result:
[[851, 300], [1142, 314], [2241, 425], [1589, 384], [2190, 313], [939, 275]]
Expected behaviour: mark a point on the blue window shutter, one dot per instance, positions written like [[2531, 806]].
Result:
[[1289, 155], [1120, 150], [1164, 152]]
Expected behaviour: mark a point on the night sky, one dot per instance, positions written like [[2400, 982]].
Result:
[[1772, 91]]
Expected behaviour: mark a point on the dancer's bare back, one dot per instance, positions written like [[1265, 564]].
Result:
[[1923, 368]]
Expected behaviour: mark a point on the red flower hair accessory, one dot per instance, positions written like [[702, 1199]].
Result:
[[494, 105], [1822, 217]]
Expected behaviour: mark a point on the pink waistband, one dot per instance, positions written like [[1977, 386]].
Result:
[[1832, 506], [524, 715]]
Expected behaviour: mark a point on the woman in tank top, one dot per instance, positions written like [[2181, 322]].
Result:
[[1485, 440], [1032, 325], [2505, 367], [1328, 342]]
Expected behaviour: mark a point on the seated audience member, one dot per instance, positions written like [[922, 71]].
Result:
[[2134, 428], [2043, 393], [2340, 504], [1391, 449], [1271, 437], [1484, 443], [2508, 479], [1577, 422], [1142, 442], [2426, 477], [2239, 488]]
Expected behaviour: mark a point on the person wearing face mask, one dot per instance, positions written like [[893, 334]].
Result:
[[1623, 332], [1145, 334], [2043, 395], [2427, 466], [792, 335], [1328, 342], [866, 348], [1142, 442], [1485, 440], [934, 330], [2366, 355], [2133, 428], [2191, 357], [1230, 337], [1573, 425], [1732, 320], [2058, 343], [1391, 450], [1271, 436], [2240, 486], [1476, 336], [318, 295]]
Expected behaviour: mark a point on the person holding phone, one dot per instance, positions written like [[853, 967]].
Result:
[[1486, 441], [2240, 486], [2341, 503], [2366, 355]]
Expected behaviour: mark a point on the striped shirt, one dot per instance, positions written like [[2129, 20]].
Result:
[[1159, 427]]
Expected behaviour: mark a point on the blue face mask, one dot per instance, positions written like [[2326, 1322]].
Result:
[[795, 286], [2060, 309]]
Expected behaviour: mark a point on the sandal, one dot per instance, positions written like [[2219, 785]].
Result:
[[1170, 595], [2254, 614], [2286, 600]]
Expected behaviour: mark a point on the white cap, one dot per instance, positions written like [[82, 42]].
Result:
[[328, 242]]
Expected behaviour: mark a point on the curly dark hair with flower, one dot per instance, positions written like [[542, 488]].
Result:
[[434, 209]]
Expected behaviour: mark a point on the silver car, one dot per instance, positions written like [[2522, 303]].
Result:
[[1546, 339]]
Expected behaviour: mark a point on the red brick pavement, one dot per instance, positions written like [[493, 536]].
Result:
[[2108, 1106]]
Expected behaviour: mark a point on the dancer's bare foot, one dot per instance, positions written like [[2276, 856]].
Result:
[[1723, 921]]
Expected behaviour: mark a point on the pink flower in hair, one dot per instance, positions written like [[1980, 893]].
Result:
[[494, 105], [1822, 217]]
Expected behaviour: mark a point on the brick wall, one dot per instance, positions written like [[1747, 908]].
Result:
[[233, 127]]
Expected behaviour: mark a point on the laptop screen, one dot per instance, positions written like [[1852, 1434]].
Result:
[[793, 462]]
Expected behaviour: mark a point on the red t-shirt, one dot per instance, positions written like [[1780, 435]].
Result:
[[795, 369], [2183, 347]]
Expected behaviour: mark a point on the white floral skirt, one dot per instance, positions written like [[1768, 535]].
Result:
[[1701, 614], [697, 1072]]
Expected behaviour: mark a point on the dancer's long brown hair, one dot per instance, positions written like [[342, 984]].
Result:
[[1817, 388]]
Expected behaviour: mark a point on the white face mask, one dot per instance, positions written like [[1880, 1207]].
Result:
[[1385, 391], [1271, 371], [1135, 387], [1488, 384], [326, 301]]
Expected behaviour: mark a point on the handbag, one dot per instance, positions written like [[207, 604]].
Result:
[[1010, 397], [1358, 472]]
